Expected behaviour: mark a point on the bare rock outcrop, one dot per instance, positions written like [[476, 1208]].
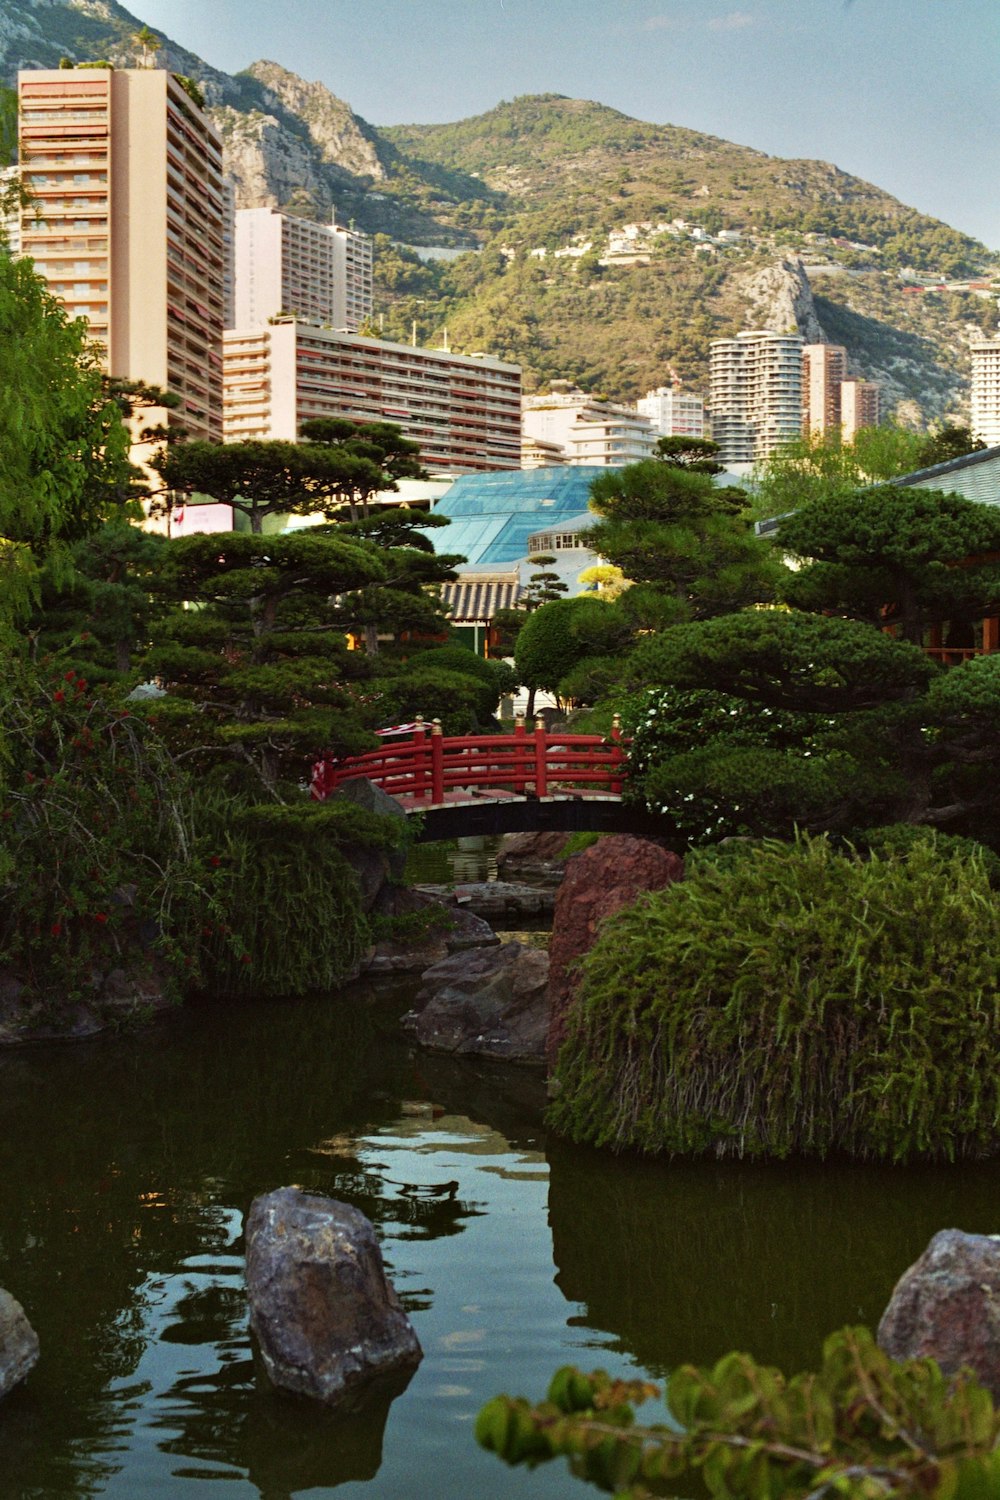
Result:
[[780, 297], [602, 879], [327, 1320]]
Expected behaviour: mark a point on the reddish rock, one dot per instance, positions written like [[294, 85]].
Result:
[[947, 1307], [610, 874]]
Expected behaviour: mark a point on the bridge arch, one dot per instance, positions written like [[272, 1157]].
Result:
[[530, 780]]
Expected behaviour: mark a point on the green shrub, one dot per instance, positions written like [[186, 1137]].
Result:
[[863, 1425], [101, 864], [292, 921], [794, 998]]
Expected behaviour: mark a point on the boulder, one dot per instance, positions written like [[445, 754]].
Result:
[[947, 1306], [533, 857], [427, 930], [18, 1343], [371, 798], [327, 1321], [489, 1003], [610, 874]]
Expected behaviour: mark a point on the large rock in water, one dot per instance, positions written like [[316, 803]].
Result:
[[492, 1002], [18, 1343], [327, 1320], [947, 1307], [609, 875]]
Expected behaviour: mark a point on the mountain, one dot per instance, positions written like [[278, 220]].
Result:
[[607, 250]]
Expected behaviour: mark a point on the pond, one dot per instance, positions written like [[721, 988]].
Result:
[[127, 1168]]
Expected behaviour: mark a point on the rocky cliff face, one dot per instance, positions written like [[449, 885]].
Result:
[[780, 297], [338, 134]]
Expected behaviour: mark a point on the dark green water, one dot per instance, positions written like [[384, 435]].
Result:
[[126, 1167]]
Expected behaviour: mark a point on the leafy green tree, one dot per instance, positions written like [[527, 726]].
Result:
[[762, 721], [63, 447], [817, 465], [897, 555], [676, 537], [99, 612], [699, 455], [543, 584], [380, 444], [259, 676], [947, 443], [558, 635], [260, 479]]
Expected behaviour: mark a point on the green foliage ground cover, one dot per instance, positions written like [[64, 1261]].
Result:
[[794, 999]]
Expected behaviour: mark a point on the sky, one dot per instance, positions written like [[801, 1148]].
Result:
[[904, 93]]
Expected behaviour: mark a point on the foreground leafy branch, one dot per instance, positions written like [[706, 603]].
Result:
[[862, 1426]]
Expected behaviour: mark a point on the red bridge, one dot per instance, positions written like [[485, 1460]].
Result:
[[493, 783]]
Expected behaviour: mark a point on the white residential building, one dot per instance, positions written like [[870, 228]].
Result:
[[673, 413], [463, 410], [986, 390], [587, 429], [286, 265], [756, 394]]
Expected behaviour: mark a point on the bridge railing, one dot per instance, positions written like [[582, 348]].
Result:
[[429, 765]]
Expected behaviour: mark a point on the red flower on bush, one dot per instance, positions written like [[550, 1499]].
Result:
[[215, 860], [56, 929], [58, 697], [100, 916]]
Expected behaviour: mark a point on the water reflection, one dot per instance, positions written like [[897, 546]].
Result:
[[684, 1261], [127, 1169]]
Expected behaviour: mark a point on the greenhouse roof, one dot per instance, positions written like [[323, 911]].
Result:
[[493, 515]]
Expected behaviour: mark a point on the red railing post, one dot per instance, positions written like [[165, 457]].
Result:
[[419, 737], [617, 755], [519, 750], [437, 764], [541, 748]]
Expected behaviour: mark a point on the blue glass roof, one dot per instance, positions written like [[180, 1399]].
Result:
[[493, 515]]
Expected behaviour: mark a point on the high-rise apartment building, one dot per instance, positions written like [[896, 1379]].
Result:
[[124, 171], [673, 413], [986, 391], [824, 366], [288, 266], [832, 400], [756, 394], [463, 410], [860, 406]]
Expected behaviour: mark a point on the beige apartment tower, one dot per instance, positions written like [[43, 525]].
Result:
[[824, 366], [124, 170], [832, 400]]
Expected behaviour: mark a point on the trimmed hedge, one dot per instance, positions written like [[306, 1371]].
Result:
[[794, 998]]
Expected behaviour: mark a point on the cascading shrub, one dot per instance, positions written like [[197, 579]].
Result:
[[794, 998]]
